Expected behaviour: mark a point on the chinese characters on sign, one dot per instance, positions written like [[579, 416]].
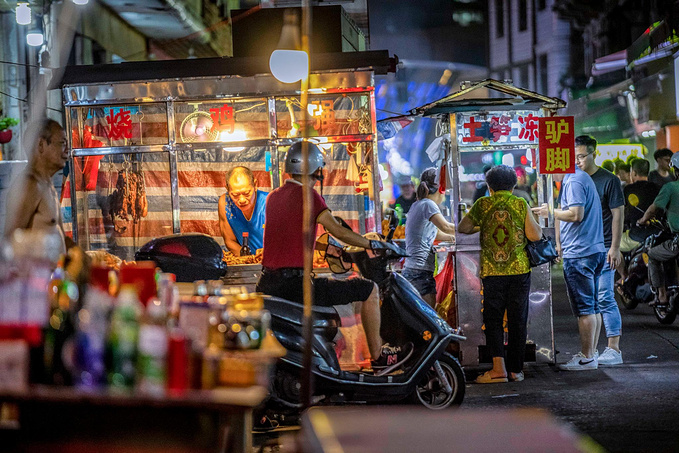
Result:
[[557, 144], [323, 113], [496, 128], [120, 124], [222, 119]]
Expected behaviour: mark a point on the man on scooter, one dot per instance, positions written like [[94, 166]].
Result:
[[283, 263], [668, 200]]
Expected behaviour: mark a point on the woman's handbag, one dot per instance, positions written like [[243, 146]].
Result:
[[542, 251]]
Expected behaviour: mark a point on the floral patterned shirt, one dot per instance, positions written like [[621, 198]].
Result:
[[501, 218]]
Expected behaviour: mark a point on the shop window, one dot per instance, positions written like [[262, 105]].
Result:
[[235, 120], [119, 125], [544, 75], [327, 116], [499, 18], [523, 15], [524, 77]]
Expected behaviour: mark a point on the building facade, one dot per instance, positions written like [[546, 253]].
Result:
[[529, 44]]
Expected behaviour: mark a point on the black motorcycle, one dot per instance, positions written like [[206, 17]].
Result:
[[636, 288], [430, 376]]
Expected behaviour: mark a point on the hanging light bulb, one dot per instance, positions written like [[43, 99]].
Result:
[[23, 13], [288, 63], [81, 2], [35, 38]]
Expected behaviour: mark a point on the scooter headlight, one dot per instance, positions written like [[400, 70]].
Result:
[[644, 256]]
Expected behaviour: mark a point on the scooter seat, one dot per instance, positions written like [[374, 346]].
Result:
[[326, 319]]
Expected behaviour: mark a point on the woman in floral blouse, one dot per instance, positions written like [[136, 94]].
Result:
[[505, 222]]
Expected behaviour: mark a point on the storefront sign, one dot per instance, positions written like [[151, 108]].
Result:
[[497, 128], [557, 144]]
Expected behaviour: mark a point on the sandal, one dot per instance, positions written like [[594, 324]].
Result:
[[486, 378]]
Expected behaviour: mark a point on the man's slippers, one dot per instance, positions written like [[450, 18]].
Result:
[[486, 378]]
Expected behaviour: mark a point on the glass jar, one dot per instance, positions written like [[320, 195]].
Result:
[[246, 322]]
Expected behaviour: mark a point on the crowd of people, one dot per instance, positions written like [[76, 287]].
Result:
[[602, 213]]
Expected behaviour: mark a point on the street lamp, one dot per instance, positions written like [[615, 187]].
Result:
[[289, 63]]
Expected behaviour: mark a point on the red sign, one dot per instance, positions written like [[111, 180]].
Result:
[[557, 144], [120, 124], [222, 119]]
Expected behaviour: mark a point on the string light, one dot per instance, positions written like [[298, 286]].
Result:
[[35, 39], [23, 13]]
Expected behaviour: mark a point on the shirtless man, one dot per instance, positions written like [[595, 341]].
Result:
[[32, 201]]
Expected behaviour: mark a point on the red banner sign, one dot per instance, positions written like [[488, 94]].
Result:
[[557, 144]]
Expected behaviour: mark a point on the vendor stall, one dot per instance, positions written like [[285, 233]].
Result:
[[481, 125], [152, 144]]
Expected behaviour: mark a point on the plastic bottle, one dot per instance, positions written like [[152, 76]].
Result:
[[58, 345], [91, 329], [245, 249], [122, 341], [153, 344], [399, 214]]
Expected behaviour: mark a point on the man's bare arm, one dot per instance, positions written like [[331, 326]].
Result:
[[22, 204], [225, 228], [345, 235]]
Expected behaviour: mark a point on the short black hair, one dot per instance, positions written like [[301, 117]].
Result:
[[501, 177], [621, 166], [641, 167], [586, 140], [662, 152]]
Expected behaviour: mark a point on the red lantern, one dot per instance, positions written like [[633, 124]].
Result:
[[5, 136]]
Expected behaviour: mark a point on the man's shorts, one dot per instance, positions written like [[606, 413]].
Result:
[[287, 284], [582, 282], [423, 281]]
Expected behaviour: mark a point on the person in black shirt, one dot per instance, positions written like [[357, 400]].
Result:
[[638, 197], [663, 172], [407, 197]]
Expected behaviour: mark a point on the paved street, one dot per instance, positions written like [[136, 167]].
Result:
[[631, 407]]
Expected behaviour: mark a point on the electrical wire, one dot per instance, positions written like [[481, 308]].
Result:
[[26, 101]]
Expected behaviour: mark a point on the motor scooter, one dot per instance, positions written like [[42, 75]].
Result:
[[430, 376], [636, 287]]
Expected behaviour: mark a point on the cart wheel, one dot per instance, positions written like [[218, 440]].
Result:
[[432, 394]]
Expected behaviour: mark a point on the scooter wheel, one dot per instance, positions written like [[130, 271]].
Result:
[[630, 303], [430, 391], [664, 315]]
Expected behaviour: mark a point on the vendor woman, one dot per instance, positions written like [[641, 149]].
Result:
[[241, 210]]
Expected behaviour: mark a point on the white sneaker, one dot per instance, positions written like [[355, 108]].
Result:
[[610, 357], [579, 362]]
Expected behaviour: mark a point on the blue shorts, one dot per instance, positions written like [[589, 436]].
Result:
[[423, 281], [582, 282]]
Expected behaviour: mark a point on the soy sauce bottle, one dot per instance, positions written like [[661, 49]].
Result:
[[245, 249]]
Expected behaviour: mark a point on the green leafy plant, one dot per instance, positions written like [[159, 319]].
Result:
[[7, 122]]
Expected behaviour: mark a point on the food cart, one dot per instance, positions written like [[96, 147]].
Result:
[[482, 124], [152, 142]]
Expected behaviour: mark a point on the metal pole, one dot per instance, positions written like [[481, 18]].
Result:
[[309, 223]]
